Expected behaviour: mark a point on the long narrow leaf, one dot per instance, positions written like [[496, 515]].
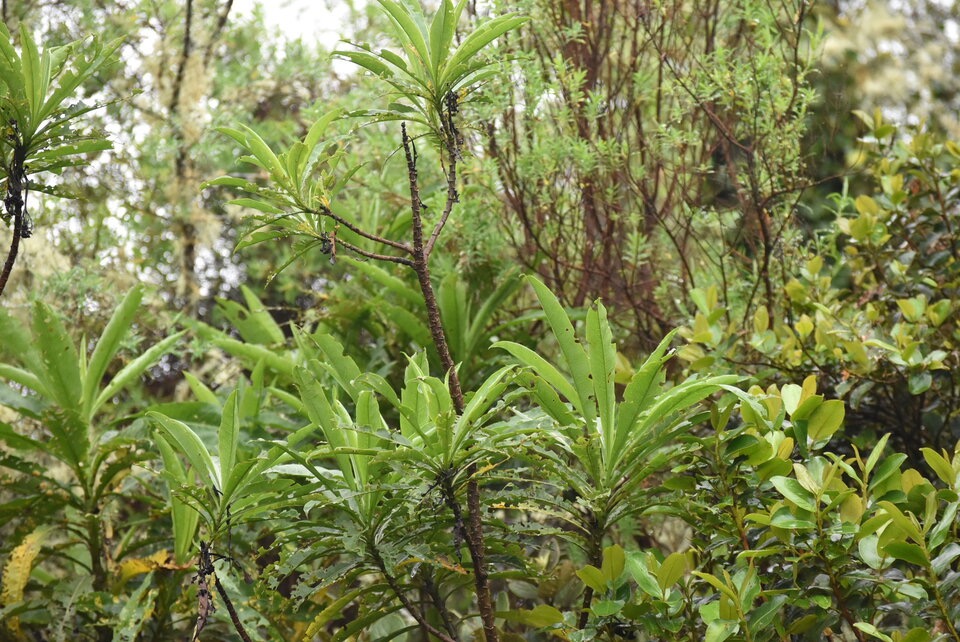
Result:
[[182, 437], [641, 391], [120, 322], [603, 357], [185, 519], [543, 369], [134, 369], [61, 363], [228, 437], [473, 43], [412, 35], [573, 352]]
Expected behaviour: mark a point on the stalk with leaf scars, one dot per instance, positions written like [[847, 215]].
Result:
[[432, 79]]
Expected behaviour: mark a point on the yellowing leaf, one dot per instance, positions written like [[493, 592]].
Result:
[[804, 326], [592, 577], [806, 479], [761, 319], [851, 510], [614, 559], [866, 205], [911, 478], [141, 565], [791, 394], [785, 449], [671, 570], [913, 309], [17, 572]]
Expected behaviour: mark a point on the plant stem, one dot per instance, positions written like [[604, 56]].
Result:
[[405, 601], [473, 531], [944, 611], [237, 624], [15, 206]]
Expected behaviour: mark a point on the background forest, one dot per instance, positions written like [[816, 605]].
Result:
[[528, 320]]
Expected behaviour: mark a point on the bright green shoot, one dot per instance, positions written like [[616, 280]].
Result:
[[428, 71]]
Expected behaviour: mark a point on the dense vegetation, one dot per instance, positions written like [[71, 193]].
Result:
[[522, 320]]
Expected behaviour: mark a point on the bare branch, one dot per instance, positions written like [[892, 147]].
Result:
[[453, 196], [184, 57], [403, 247], [221, 23], [402, 260]]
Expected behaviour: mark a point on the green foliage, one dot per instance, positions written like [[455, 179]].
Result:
[[375, 471], [39, 120], [64, 461], [870, 306], [431, 69]]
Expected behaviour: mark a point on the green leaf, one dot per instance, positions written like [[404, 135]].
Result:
[[61, 365], [593, 577], [919, 382], [719, 585], [573, 353], [257, 204], [134, 369], [541, 616], [185, 519], [720, 630], [459, 63], [394, 285], [602, 354], [341, 366], [671, 570], [107, 345], [940, 464], [762, 617], [179, 435], [442, 30], [826, 420], [411, 35], [263, 153], [606, 608], [489, 393], [872, 631], [641, 391], [228, 436], [904, 523], [875, 454], [795, 492], [908, 553], [614, 559], [137, 609], [542, 368]]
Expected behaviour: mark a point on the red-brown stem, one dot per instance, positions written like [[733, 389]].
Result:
[[473, 531], [12, 254], [14, 204], [237, 624]]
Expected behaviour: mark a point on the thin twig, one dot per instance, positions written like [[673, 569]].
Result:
[[221, 23], [452, 197], [405, 601], [367, 235], [402, 260]]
